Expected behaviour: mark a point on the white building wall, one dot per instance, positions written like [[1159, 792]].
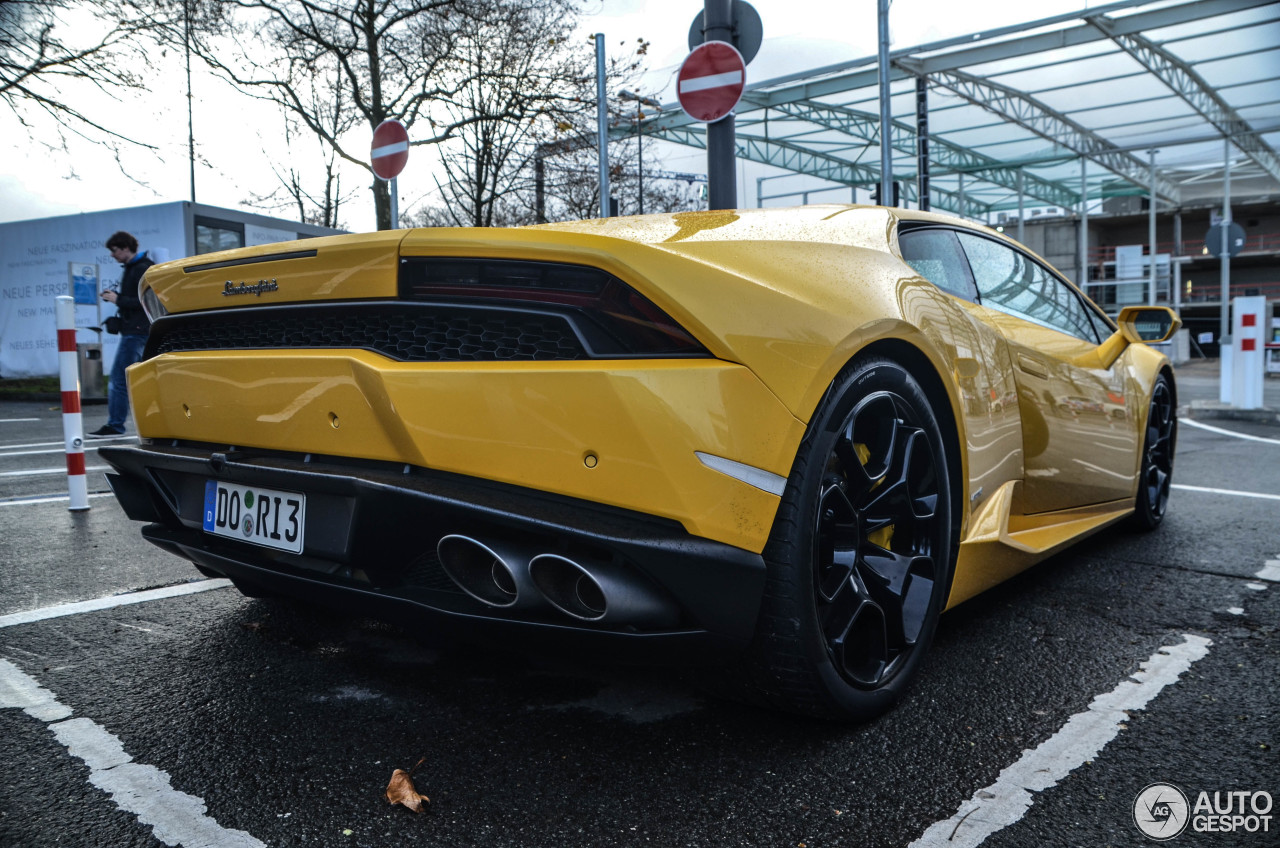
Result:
[[35, 257]]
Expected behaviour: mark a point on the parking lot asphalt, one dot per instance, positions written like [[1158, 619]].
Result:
[[213, 719]]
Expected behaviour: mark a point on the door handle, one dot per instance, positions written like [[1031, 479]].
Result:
[[1032, 366]]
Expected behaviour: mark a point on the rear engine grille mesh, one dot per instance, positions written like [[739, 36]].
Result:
[[448, 334], [426, 571]]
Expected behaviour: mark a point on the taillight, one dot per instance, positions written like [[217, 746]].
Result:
[[151, 304], [613, 318]]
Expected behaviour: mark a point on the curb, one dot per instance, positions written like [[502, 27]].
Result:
[[1254, 416]]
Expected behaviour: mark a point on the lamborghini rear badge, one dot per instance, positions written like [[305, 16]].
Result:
[[249, 288]]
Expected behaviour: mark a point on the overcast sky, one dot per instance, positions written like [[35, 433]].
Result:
[[37, 179]]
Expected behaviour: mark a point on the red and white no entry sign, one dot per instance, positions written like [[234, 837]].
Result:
[[711, 81], [390, 149]]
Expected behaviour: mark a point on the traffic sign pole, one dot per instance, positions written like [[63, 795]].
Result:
[[1226, 353], [748, 30], [1224, 317], [388, 154], [886, 115], [709, 84], [722, 177]]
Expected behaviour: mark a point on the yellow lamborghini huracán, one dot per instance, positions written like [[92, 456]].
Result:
[[787, 439]]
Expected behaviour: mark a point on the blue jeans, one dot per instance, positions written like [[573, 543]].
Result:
[[129, 352]]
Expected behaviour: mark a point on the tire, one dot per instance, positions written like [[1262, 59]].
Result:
[[860, 556], [1160, 440]]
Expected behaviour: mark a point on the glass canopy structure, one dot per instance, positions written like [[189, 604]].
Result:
[[1041, 114]]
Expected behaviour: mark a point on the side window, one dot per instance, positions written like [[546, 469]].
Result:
[[1100, 325], [1012, 282], [936, 255]]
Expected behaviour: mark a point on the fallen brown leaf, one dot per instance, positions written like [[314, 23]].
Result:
[[402, 791]]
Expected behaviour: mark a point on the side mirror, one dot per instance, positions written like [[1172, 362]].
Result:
[[1148, 324], [1138, 325]]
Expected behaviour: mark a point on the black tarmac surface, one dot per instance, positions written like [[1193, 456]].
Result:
[[287, 721]]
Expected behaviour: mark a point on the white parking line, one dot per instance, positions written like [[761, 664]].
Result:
[[34, 472], [175, 818], [1234, 493], [16, 420], [61, 448], [110, 601], [1081, 739], [43, 499], [97, 441], [1222, 432]]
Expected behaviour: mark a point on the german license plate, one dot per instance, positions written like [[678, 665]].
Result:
[[251, 514]]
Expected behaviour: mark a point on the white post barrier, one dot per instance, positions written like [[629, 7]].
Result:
[[1248, 350], [72, 422]]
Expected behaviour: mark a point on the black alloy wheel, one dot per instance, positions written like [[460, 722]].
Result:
[[876, 573], [860, 556], [1158, 445]]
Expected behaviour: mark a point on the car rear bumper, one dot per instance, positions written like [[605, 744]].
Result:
[[531, 425], [371, 547]]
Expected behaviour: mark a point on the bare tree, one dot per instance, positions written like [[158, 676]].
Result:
[[662, 194], [533, 97], [320, 203], [571, 182], [572, 188], [522, 79], [381, 59], [51, 50]]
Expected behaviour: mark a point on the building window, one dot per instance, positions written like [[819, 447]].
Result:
[[213, 235]]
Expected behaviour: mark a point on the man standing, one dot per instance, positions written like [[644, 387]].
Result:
[[134, 327]]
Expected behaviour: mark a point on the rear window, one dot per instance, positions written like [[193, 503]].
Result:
[[936, 255]]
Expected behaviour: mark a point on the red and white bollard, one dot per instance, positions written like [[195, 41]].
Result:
[[72, 422]]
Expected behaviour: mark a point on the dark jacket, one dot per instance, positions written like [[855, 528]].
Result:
[[134, 320]]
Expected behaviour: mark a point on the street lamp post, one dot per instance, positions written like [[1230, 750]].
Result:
[[640, 101], [602, 122], [191, 130], [886, 112]]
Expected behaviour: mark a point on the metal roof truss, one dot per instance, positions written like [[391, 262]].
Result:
[[811, 124]]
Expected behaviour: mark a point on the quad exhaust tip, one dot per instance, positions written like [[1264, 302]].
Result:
[[568, 587], [601, 592], [491, 575], [500, 576]]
